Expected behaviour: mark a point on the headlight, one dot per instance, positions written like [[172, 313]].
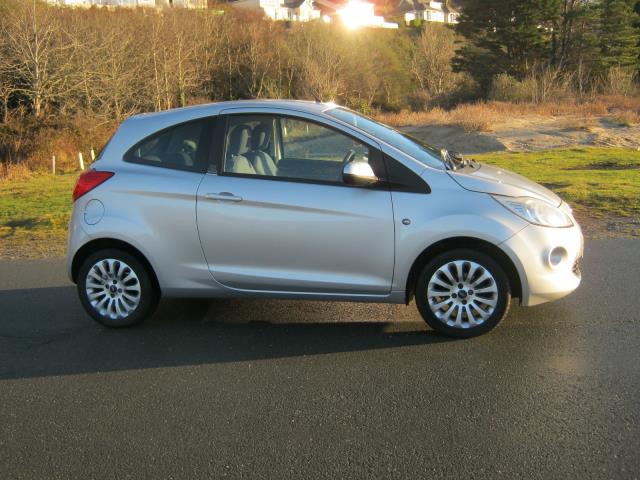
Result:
[[536, 211]]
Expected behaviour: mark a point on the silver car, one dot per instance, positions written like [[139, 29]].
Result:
[[304, 200]]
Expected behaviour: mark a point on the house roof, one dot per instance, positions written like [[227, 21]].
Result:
[[412, 5], [451, 9], [293, 3], [327, 5]]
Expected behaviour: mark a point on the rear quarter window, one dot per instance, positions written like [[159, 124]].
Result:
[[182, 147]]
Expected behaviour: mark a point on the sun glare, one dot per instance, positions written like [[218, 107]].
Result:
[[355, 14]]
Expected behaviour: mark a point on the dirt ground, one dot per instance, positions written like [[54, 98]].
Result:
[[532, 134], [611, 227]]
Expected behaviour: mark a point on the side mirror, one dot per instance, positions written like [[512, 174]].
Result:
[[359, 173]]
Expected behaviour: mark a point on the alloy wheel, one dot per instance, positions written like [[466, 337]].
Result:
[[113, 288], [462, 294]]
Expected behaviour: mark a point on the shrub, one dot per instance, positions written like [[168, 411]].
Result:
[[505, 88], [32, 142], [420, 100], [620, 81], [538, 87]]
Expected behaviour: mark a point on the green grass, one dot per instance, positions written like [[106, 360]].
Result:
[[34, 212], [603, 180]]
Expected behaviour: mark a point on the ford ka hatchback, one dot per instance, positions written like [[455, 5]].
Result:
[[304, 200]]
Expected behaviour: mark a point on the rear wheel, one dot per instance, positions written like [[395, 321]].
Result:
[[463, 293], [116, 289]]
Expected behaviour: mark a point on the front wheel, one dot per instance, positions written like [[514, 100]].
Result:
[[116, 289], [463, 293]]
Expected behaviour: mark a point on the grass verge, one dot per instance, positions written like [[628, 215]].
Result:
[[34, 213], [606, 181], [600, 182]]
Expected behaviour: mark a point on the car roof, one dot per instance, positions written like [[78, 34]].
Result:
[[141, 125], [196, 111]]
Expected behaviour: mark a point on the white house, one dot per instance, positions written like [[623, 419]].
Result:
[[294, 10], [427, 11], [353, 13]]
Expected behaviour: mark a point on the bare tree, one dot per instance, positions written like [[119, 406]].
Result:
[[322, 60], [33, 40], [7, 82], [120, 82], [431, 60]]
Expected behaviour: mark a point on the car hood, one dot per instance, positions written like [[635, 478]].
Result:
[[497, 181]]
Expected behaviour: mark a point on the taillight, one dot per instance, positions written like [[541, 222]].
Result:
[[88, 181]]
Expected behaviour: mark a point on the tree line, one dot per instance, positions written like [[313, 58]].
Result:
[[102, 65], [583, 45], [93, 61]]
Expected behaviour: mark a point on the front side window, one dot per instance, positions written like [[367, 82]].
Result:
[[178, 147], [289, 148], [420, 151]]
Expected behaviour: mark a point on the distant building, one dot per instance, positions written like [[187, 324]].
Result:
[[353, 13], [427, 11], [292, 10]]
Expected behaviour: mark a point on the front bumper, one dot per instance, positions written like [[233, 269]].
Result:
[[546, 275]]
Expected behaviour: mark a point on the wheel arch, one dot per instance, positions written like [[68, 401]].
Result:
[[105, 243], [441, 246]]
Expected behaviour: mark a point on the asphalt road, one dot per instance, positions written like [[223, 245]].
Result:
[[269, 389]]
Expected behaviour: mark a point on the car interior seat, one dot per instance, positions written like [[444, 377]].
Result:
[[258, 156], [236, 161]]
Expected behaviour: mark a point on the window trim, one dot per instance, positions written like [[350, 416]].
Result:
[[204, 146], [221, 148], [218, 144], [417, 184]]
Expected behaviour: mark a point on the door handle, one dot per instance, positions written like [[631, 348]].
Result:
[[224, 196]]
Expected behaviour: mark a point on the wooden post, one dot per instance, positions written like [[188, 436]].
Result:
[[81, 160], [53, 164]]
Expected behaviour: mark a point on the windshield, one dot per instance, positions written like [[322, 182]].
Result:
[[422, 152]]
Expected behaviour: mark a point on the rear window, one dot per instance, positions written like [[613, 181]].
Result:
[[181, 147]]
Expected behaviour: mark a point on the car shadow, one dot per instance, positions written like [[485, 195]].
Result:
[[45, 332]]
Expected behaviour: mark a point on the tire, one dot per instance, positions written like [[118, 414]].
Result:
[[116, 289], [463, 312]]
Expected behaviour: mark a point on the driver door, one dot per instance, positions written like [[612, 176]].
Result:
[[276, 215]]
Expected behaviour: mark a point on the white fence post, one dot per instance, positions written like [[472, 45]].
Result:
[[53, 164], [81, 160], [93, 155]]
